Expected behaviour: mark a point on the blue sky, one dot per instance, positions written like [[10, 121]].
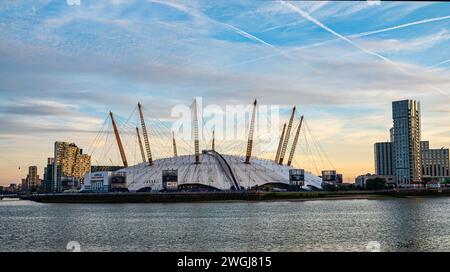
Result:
[[63, 67]]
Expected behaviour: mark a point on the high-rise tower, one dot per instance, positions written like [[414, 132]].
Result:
[[407, 153], [69, 161]]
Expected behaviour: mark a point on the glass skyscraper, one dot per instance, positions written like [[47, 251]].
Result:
[[383, 159], [406, 136]]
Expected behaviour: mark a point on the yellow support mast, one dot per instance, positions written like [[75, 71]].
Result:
[[280, 144], [174, 143], [140, 145], [294, 144], [196, 140], [286, 139], [119, 141], [144, 132], [250, 135]]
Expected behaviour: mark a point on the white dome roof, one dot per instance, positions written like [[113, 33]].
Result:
[[215, 170]]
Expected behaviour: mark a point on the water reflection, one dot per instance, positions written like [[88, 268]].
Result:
[[345, 225]]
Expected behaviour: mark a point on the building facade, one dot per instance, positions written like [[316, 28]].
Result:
[[361, 181], [32, 182], [435, 162], [13, 188], [47, 183], [69, 165], [406, 134], [383, 153], [97, 181], [331, 177]]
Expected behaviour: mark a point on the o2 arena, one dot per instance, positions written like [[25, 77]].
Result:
[[206, 170], [216, 171]]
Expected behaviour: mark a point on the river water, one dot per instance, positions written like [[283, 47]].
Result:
[[416, 224]]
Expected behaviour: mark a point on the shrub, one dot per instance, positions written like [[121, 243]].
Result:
[[376, 184]]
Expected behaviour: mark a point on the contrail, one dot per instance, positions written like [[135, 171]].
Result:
[[254, 38], [251, 37], [438, 64], [400, 26], [358, 35], [248, 35], [306, 15], [280, 26], [195, 13], [362, 34], [318, 23], [317, 5]]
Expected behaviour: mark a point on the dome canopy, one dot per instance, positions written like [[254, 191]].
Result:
[[223, 172]]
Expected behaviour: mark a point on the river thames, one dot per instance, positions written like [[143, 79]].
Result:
[[413, 224]]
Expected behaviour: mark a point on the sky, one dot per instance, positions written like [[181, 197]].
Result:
[[65, 64]]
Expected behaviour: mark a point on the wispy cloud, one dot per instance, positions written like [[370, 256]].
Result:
[[38, 107], [317, 22], [407, 46], [419, 40], [197, 14], [368, 51]]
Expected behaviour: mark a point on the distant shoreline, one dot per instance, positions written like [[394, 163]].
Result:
[[176, 197]]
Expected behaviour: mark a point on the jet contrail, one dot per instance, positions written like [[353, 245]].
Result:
[[318, 23], [248, 35], [362, 34], [358, 35], [400, 26], [251, 37], [197, 14], [254, 38], [317, 5], [438, 64], [279, 26]]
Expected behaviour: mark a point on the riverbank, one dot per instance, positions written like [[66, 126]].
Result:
[[174, 197]]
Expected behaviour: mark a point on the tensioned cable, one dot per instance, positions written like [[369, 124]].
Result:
[[320, 147], [93, 143]]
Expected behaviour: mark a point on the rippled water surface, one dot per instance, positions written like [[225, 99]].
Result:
[[419, 224]]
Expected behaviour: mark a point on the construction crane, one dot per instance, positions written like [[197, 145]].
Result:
[[144, 132], [196, 141], [294, 144], [286, 139], [119, 141], [174, 143], [280, 143], [250, 135], [140, 145]]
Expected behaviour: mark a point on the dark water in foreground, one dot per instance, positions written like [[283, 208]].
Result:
[[420, 224]]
